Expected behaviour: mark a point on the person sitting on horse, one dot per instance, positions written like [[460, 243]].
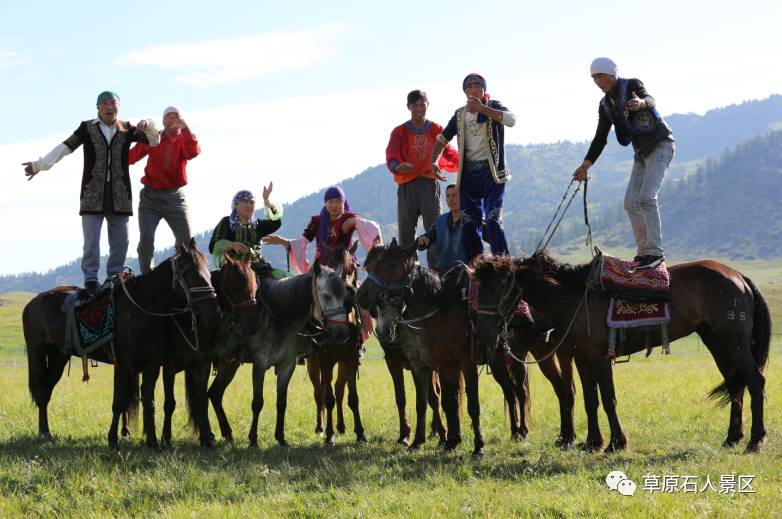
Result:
[[240, 233], [332, 228], [631, 110]]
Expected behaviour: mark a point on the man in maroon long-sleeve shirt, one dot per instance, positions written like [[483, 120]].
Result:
[[164, 177]]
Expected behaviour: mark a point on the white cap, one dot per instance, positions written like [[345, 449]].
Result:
[[603, 66], [171, 109]]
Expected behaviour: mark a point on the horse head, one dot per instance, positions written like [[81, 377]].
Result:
[[192, 279], [383, 292], [493, 297], [237, 292], [329, 297]]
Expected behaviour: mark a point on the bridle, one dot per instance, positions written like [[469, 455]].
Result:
[[193, 295], [504, 309], [322, 316], [398, 302]]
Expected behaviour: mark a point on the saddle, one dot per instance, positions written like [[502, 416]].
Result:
[[521, 318], [638, 300]]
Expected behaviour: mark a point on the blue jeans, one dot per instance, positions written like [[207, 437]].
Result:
[[91, 225], [479, 194], [641, 198]]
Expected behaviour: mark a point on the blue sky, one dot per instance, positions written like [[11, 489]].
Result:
[[306, 93]]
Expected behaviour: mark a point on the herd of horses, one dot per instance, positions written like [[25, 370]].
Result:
[[170, 318]]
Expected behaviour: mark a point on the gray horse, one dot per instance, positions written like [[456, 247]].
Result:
[[286, 307]]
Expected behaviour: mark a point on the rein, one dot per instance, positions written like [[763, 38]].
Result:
[[398, 302], [208, 291]]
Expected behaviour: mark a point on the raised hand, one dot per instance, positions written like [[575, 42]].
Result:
[[267, 191], [28, 170], [635, 103]]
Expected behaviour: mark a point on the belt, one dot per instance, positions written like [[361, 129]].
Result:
[[475, 165]]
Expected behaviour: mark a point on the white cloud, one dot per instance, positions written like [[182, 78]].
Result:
[[10, 59], [231, 60]]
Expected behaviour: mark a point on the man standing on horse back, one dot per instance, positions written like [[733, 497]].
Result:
[[105, 183], [479, 127], [164, 177], [631, 110], [408, 157]]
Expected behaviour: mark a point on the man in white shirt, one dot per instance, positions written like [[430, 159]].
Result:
[[105, 184]]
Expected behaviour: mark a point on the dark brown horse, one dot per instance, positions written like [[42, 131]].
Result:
[[236, 285], [720, 304], [497, 299], [179, 284], [429, 323], [327, 354]]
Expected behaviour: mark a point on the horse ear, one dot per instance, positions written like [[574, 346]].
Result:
[[193, 245], [393, 243], [315, 267], [353, 248], [371, 259]]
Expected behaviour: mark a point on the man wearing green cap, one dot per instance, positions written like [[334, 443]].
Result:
[[105, 183]]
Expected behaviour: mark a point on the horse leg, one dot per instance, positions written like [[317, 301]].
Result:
[[594, 440], [434, 403], [474, 407], [259, 370], [605, 374], [422, 379], [398, 378], [562, 382], [45, 370], [449, 383], [225, 374], [726, 363], [199, 403], [519, 377], [119, 403], [148, 382], [339, 392], [518, 426], [756, 383], [169, 403], [130, 415], [313, 371], [351, 378], [284, 375], [326, 374]]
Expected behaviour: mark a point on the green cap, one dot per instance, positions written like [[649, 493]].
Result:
[[108, 94]]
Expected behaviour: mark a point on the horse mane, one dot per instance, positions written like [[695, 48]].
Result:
[[572, 277], [429, 281]]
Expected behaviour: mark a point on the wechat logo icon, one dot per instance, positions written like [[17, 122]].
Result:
[[618, 480]]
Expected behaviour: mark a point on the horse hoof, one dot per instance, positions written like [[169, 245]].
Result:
[[518, 436], [755, 444], [253, 444], [341, 429], [404, 441], [565, 444], [228, 439], [415, 445], [590, 446], [282, 443], [125, 432], [361, 439], [319, 430], [478, 454]]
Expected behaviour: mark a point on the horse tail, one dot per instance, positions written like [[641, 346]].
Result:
[[759, 346], [761, 327], [135, 400], [191, 398], [37, 361]]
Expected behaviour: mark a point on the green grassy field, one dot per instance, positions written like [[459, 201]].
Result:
[[673, 431]]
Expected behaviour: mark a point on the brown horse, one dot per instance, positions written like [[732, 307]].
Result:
[[327, 354], [497, 299], [429, 323], [139, 333], [720, 304]]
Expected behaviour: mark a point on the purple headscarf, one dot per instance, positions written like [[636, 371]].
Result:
[[241, 196], [323, 229]]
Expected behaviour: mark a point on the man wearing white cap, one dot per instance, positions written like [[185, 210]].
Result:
[[164, 177], [631, 110]]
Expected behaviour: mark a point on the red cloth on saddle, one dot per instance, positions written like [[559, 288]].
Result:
[[630, 314], [93, 313], [620, 278]]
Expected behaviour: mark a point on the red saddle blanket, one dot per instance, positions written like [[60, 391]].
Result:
[[521, 316], [621, 279], [630, 314]]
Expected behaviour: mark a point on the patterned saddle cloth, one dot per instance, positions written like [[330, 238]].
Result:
[[631, 314], [619, 278], [522, 317], [90, 321]]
